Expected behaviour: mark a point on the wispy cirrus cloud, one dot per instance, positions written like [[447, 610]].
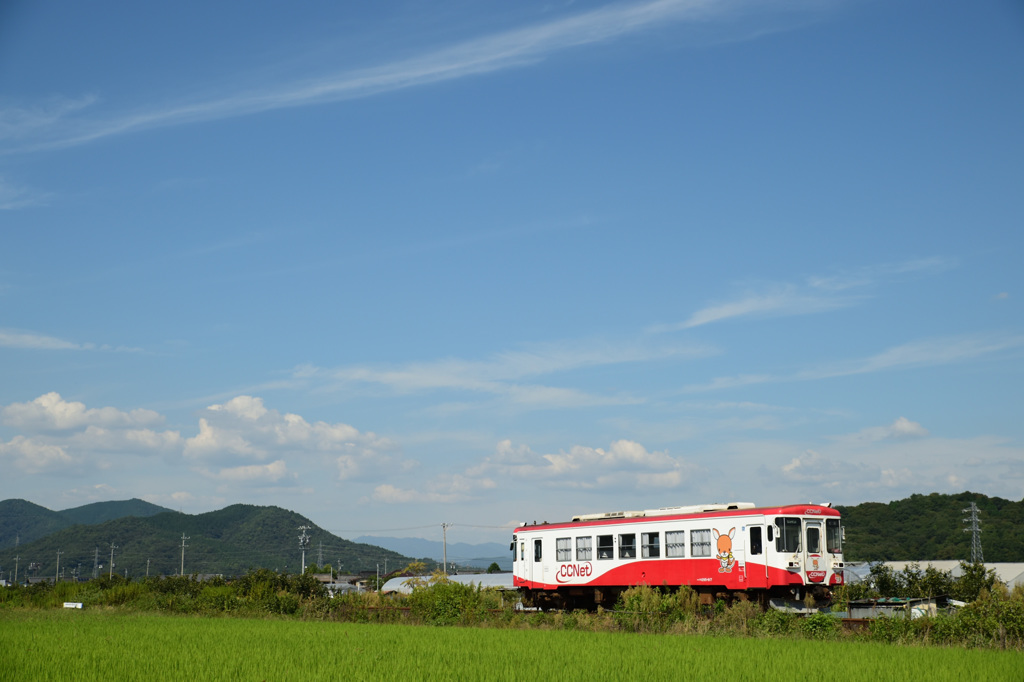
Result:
[[816, 294], [783, 301], [56, 126], [13, 196], [13, 338], [506, 374], [924, 353]]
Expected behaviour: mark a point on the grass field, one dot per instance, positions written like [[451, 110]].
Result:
[[97, 645]]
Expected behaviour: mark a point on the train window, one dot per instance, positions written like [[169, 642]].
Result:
[[584, 548], [771, 533], [755, 540], [650, 545], [700, 542], [536, 550], [563, 549], [605, 547], [833, 536], [814, 539], [522, 551], [675, 543], [789, 534], [627, 546]]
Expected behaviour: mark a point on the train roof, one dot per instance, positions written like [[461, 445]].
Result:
[[696, 510]]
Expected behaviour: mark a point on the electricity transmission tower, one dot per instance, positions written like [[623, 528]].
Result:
[[56, 578], [975, 530], [112, 548]]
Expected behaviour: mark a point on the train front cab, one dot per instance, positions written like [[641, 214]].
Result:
[[803, 554]]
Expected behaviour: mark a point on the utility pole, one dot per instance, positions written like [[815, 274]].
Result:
[[303, 545], [147, 568], [56, 578], [975, 530], [183, 546], [16, 559], [112, 548], [320, 555], [444, 532], [96, 564]]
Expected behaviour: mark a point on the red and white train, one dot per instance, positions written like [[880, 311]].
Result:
[[720, 550]]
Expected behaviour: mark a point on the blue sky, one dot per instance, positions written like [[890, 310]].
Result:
[[482, 263]]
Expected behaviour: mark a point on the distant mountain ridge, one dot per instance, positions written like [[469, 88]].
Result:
[[464, 554], [228, 541]]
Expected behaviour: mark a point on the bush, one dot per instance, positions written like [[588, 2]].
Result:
[[447, 603], [774, 623], [643, 608], [738, 618], [821, 626]]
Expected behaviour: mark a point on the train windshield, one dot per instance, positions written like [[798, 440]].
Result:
[[814, 539], [833, 536], [788, 539]]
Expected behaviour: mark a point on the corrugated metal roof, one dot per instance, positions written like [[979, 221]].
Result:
[[1009, 573], [501, 581]]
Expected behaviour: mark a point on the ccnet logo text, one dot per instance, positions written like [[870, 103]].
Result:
[[567, 572]]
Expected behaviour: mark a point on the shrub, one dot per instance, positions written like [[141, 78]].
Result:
[[446, 603], [643, 608], [774, 623], [738, 618], [821, 626]]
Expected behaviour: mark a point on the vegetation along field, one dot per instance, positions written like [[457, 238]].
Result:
[[84, 645]]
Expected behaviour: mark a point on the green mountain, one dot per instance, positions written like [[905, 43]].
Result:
[[98, 512], [931, 527], [22, 522], [229, 541]]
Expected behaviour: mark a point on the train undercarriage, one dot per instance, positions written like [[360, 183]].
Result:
[[590, 598]]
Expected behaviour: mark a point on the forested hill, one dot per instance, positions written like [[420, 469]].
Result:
[[98, 512], [229, 541], [22, 522], [924, 527]]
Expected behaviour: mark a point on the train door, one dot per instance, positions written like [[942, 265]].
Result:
[[814, 564], [756, 569], [536, 567]]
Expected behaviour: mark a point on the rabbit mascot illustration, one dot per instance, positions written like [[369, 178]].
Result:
[[724, 556]]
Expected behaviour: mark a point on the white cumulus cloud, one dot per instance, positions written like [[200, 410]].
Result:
[[50, 412]]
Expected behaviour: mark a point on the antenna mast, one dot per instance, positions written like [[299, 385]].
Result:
[[975, 530]]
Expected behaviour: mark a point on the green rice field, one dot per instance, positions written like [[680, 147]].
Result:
[[107, 645]]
